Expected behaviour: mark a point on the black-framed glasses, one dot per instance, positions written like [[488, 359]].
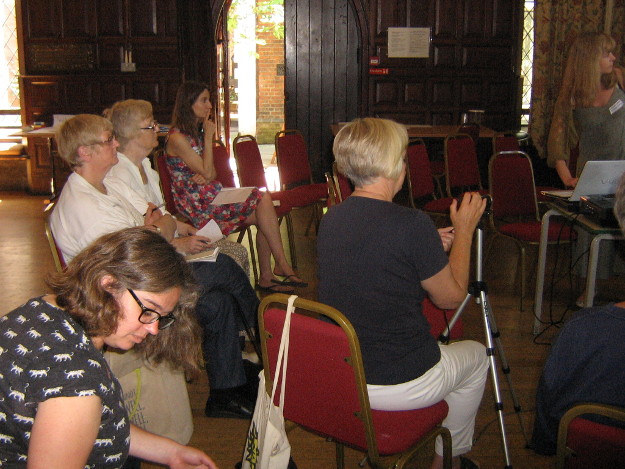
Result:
[[154, 127], [149, 316], [108, 141]]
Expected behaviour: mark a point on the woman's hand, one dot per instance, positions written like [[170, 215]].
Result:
[[466, 217], [152, 214], [187, 457], [198, 179], [184, 229], [447, 237], [210, 128], [191, 244]]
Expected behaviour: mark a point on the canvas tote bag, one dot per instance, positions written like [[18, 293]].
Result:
[[267, 446], [155, 397]]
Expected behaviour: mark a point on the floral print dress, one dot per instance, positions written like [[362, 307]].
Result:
[[194, 200]]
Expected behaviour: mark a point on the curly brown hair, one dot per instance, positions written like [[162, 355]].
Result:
[[139, 259]]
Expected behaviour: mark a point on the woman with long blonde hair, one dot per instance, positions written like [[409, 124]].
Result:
[[590, 107]]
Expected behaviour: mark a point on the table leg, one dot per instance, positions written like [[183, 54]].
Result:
[[591, 272], [540, 274]]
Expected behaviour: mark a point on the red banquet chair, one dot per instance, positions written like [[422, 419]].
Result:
[[502, 142], [326, 390], [586, 444], [462, 172], [296, 175], [252, 174], [420, 182], [221, 161], [514, 212]]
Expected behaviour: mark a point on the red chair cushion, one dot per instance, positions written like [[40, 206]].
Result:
[[302, 196], [530, 231], [595, 445], [398, 431]]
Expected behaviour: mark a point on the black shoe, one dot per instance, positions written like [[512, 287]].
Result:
[[235, 406]]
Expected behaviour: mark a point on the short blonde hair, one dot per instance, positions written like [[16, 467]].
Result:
[[126, 117], [369, 148], [80, 130]]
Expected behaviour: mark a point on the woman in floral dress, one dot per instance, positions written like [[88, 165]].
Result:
[[189, 152]]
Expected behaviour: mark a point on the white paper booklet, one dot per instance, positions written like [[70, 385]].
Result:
[[232, 195], [210, 255], [211, 231]]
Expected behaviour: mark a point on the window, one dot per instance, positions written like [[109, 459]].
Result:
[[10, 120], [527, 57]]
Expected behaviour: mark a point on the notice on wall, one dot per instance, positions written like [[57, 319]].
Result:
[[409, 42]]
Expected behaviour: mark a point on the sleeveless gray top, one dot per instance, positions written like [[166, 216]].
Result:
[[601, 130]]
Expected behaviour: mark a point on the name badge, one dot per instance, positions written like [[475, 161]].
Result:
[[616, 106]]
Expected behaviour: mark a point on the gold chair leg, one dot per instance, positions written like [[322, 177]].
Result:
[[291, 234]]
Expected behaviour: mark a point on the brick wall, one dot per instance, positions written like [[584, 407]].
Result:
[[270, 82]]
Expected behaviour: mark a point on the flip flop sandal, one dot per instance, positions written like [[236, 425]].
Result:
[[275, 288], [290, 283]]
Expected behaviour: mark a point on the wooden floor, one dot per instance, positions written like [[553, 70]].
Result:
[[25, 260]]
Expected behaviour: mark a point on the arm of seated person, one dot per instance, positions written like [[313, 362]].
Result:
[[203, 165], [155, 448], [165, 223], [64, 432]]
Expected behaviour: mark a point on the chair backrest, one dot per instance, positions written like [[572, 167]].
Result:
[[292, 157], [342, 185], [325, 383], [461, 168], [164, 176], [57, 255], [592, 444], [419, 172], [333, 197], [511, 185], [221, 160], [471, 129], [505, 143], [249, 162]]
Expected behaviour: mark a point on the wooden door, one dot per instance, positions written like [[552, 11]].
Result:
[[323, 72]]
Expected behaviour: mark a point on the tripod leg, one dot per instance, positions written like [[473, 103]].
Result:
[[505, 368], [490, 351]]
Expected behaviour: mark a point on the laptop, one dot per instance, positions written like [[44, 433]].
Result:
[[597, 178]]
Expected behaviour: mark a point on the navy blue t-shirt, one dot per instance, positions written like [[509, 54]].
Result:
[[372, 257]]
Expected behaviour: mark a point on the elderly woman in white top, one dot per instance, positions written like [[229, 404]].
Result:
[[136, 131]]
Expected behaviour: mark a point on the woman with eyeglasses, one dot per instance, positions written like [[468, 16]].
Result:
[[60, 405], [189, 151], [137, 134]]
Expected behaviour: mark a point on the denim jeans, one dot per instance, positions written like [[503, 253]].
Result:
[[227, 300]]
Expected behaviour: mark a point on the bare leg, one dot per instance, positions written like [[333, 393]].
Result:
[[264, 261], [267, 222]]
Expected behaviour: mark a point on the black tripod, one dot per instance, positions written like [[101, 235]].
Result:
[[479, 290]]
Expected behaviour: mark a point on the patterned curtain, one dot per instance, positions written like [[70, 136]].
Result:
[[557, 23]]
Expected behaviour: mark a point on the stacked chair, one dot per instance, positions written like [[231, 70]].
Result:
[[462, 172]]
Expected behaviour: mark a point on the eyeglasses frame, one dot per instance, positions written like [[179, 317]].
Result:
[[158, 318]]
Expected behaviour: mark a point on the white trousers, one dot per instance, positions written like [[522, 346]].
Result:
[[458, 378]]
